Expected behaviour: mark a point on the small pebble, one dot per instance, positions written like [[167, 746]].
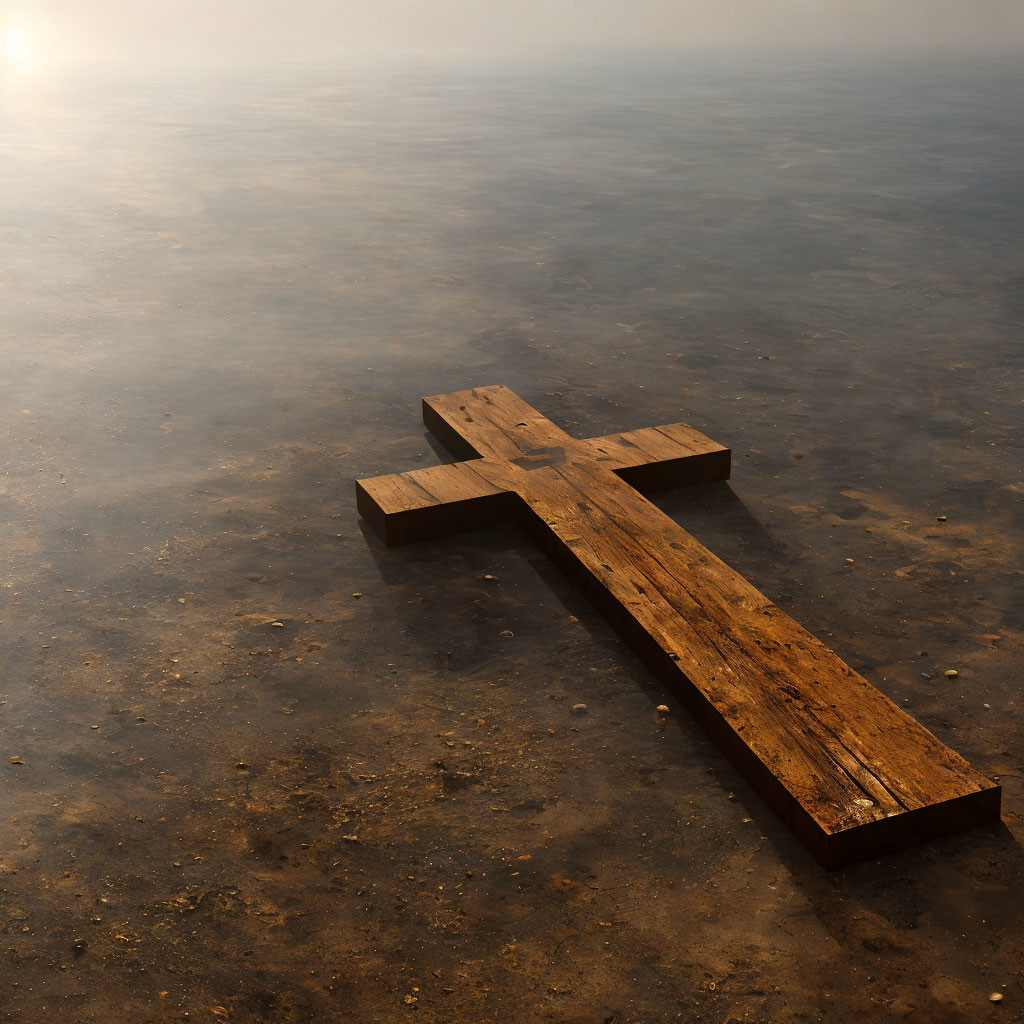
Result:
[[79, 946], [489, 577], [849, 560], [579, 709], [987, 707], [951, 673], [242, 766], [357, 594], [924, 675], [278, 625], [996, 997], [662, 709], [941, 519], [506, 633]]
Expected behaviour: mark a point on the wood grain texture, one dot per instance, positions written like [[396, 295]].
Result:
[[850, 772]]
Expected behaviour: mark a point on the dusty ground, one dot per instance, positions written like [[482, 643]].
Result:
[[222, 301]]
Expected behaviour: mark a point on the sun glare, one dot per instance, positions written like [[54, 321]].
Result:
[[17, 48]]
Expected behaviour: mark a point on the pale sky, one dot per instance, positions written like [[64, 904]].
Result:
[[168, 31]]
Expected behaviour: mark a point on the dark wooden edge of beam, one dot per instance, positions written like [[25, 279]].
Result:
[[431, 521], [446, 434], [690, 469], [910, 827], [832, 851]]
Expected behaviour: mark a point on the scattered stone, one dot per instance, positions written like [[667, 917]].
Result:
[[357, 594], [579, 709], [924, 675], [507, 633], [996, 997], [277, 625], [489, 577], [987, 707], [850, 560], [941, 519], [242, 766], [409, 1000], [662, 709], [79, 946], [16, 760], [351, 839], [951, 673]]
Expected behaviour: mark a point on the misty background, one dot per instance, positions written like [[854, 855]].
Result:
[[179, 31], [239, 242]]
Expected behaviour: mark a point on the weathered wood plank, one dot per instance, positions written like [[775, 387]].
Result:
[[654, 458], [844, 754], [849, 771], [430, 502]]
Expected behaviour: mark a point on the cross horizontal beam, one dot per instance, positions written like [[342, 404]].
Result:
[[436, 500], [850, 772]]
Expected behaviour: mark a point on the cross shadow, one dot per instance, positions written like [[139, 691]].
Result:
[[716, 515]]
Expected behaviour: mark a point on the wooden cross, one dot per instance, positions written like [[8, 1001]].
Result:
[[849, 772]]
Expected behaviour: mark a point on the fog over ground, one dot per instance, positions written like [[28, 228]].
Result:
[[213, 31]]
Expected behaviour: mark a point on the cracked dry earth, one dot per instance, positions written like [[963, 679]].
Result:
[[259, 768]]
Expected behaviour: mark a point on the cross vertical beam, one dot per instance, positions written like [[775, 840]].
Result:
[[851, 773]]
